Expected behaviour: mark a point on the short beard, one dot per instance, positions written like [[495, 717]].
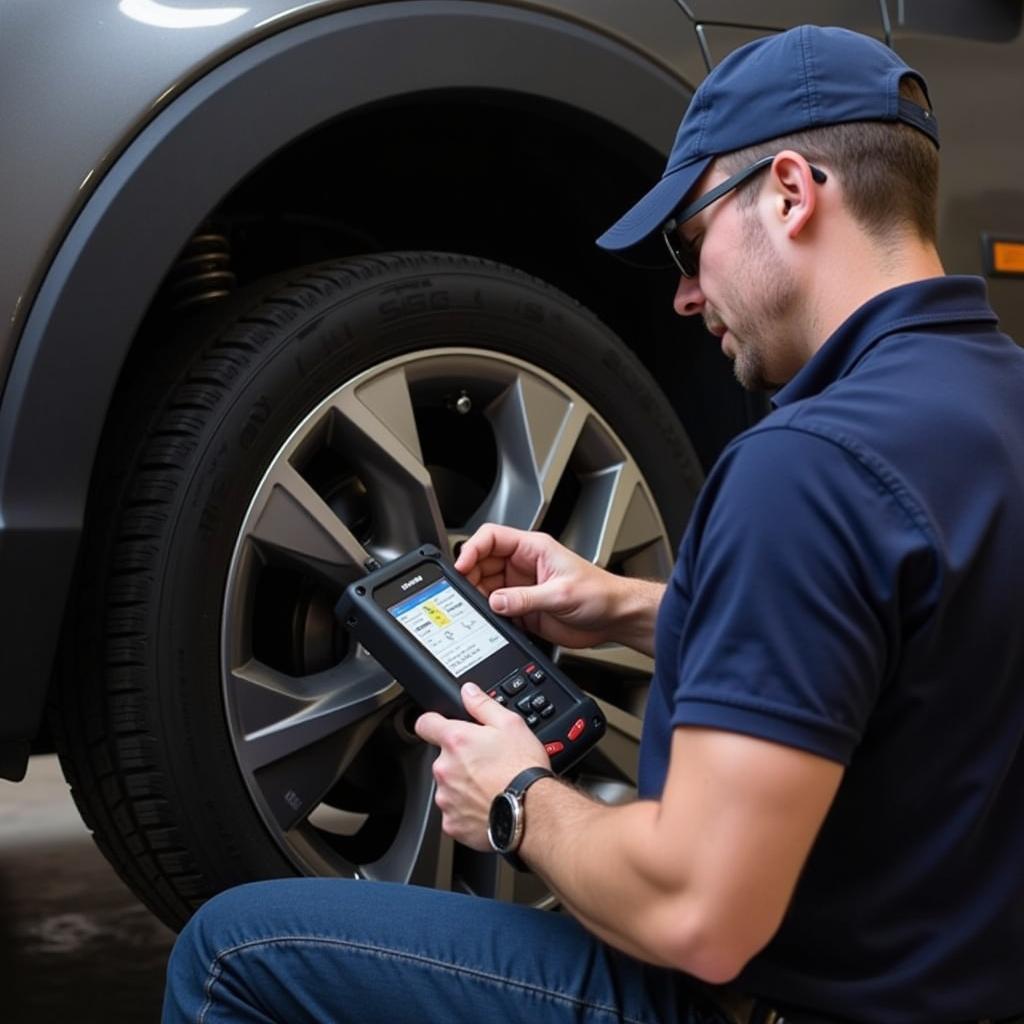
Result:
[[776, 293]]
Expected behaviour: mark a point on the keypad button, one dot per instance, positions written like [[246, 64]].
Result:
[[554, 747], [534, 672], [538, 701], [577, 728], [525, 705], [515, 684], [532, 720], [548, 711]]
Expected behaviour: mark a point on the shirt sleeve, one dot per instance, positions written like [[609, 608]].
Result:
[[803, 570]]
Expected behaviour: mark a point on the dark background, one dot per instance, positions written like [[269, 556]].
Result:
[[75, 944]]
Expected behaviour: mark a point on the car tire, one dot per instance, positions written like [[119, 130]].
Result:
[[355, 407]]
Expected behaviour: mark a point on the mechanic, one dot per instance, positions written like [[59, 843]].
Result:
[[831, 815]]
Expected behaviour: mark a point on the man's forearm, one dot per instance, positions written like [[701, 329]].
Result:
[[635, 611], [591, 855]]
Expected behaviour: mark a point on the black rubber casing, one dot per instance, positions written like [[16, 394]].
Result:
[[570, 731]]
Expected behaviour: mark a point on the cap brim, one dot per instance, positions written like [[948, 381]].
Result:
[[648, 215]]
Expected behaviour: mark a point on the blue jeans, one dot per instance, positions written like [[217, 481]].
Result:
[[333, 950]]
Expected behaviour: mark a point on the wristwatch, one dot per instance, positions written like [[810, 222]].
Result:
[[507, 821]]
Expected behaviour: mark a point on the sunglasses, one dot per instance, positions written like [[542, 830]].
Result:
[[684, 255]]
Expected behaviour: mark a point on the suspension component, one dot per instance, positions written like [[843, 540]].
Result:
[[203, 272]]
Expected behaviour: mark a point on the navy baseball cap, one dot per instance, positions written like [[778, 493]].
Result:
[[803, 78]]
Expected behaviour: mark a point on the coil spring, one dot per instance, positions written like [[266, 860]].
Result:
[[203, 272]]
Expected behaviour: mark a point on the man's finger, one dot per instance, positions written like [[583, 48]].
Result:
[[484, 708], [490, 540], [431, 727], [515, 602], [492, 566]]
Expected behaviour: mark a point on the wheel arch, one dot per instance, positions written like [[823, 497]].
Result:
[[87, 313]]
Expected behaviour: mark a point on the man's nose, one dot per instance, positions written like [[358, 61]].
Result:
[[689, 299]]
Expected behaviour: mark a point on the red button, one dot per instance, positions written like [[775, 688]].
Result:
[[577, 727], [554, 748]]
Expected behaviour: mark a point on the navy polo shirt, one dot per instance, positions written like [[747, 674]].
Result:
[[852, 584]]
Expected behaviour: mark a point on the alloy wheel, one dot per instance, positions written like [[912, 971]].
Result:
[[421, 448]]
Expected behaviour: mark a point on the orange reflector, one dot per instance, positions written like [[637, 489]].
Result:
[[1008, 257]]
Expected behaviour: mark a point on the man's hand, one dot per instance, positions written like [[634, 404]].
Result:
[[477, 761], [557, 594]]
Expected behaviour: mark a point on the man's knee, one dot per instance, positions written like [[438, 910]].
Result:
[[218, 926], [223, 921]]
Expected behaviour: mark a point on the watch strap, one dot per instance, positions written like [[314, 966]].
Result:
[[526, 778], [516, 861], [517, 788]]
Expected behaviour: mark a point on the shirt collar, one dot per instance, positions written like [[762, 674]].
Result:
[[950, 299]]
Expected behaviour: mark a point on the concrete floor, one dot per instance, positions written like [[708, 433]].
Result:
[[75, 944]]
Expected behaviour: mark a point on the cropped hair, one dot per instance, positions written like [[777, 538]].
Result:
[[888, 171]]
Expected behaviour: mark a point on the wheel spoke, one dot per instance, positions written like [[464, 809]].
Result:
[[422, 854], [296, 526], [377, 420], [280, 714], [297, 736], [613, 516], [536, 429], [623, 660]]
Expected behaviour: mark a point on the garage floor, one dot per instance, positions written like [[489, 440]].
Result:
[[75, 944]]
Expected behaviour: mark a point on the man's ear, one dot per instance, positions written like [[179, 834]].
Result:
[[793, 191]]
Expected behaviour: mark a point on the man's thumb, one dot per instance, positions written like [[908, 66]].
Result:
[[482, 706]]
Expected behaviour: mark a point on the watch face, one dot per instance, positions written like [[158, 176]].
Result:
[[502, 824]]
